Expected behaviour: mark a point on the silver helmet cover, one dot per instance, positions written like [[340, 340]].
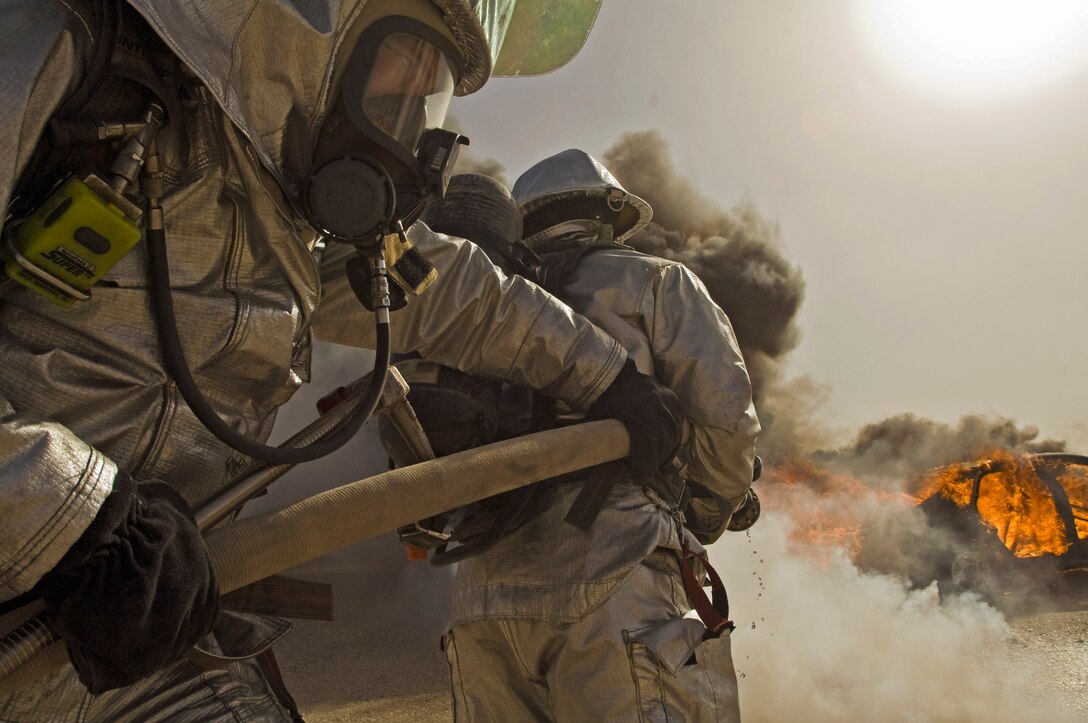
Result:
[[574, 176]]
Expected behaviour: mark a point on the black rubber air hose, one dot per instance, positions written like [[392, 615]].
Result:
[[178, 368]]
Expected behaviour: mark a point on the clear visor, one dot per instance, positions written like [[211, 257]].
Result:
[[409, 88]]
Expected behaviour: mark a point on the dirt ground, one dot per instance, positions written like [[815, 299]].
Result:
[[1060, 641], [380, 659]]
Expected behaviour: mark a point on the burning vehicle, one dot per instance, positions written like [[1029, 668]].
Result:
[[1010, 527]]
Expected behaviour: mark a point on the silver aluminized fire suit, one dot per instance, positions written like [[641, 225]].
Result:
[[83, 391], [557, 624]]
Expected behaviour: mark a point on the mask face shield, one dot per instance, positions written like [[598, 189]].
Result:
[[408, 89]]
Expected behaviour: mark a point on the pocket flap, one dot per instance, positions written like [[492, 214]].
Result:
[[672, 642]]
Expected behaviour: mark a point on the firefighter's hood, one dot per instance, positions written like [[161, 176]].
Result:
[[270, 64]]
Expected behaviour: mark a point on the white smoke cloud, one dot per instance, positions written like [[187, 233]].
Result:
[[828, 643]]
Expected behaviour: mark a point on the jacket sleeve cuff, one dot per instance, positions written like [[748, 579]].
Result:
[[62, 484]]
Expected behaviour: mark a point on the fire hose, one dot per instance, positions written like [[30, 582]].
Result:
[[256, 547]]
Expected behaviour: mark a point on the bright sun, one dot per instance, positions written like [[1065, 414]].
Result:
[[979, 47]]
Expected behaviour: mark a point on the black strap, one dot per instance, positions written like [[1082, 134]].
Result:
[[556, 266], [585, 508], [128, 65], [104, 16], [20, 600], [495, 518], [271, 670], [40, 173], [140, 56]]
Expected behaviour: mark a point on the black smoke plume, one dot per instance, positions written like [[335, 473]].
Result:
[[906, 445], [738, 254]]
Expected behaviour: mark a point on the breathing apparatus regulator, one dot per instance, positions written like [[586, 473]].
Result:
[[380, 154]]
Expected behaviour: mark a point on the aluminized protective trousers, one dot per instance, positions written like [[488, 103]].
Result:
[[180, 693], [622, 662]]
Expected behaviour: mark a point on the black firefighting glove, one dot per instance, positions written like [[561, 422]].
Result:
[[136, 590], [652, 414]]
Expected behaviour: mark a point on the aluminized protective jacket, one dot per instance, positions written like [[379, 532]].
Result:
[[83, 390], [663, 315]]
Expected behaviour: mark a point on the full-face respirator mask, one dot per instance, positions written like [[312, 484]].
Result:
[[380, 154]]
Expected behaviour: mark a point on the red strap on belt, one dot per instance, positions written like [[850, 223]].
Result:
[[715, 615]]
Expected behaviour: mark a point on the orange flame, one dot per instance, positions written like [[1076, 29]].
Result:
[[1013, 500], [1074, 480], [827, 509]]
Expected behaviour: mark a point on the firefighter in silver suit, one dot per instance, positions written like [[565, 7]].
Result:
[[575, 622], [288, 134]]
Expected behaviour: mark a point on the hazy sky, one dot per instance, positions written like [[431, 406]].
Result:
[[929, 179]]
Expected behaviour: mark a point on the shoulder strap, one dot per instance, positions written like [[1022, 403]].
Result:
[[38, 176], [130, 64], [139, 56], [713, 611]]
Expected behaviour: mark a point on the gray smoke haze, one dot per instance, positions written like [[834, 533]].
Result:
[[826, 643], [740, 255], [468, 161], [905, 445]]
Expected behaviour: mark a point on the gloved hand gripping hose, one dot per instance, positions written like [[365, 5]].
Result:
[[256, 547], [178, 368], [654, 418], [652, 414], [136, 590]]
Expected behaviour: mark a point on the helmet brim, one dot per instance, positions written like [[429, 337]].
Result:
[[477, 28], [634, 216]]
